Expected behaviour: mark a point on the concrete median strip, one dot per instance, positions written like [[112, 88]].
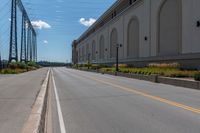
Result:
[[36, 120]]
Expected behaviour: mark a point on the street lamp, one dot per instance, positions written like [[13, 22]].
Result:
[[117, 56]]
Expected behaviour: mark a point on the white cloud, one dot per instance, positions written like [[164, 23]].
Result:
[[87, 22], [39, 24], [45, 42]]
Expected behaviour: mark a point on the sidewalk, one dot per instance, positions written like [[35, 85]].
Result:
[[17, 95]]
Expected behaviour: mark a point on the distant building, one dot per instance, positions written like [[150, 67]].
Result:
[[149, 31]]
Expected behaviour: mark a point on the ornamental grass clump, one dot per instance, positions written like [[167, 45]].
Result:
[[165, 65]]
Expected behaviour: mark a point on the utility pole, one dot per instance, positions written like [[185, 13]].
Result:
[[13, 53]]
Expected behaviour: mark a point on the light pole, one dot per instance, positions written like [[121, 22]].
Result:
[[117, 56]]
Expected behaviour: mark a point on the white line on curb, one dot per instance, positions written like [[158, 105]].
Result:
[[33, 123], [60, 116]]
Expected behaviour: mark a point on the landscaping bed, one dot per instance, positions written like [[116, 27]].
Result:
[[172, 70], [18, 67]]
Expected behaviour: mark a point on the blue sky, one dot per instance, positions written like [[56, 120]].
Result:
[[61, 24]]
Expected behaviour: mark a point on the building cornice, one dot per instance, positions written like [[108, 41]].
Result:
[[117, 3]]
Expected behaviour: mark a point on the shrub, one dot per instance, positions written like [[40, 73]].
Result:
[[197, 76], [121, 65], [95, 66], [13, 65], [8, 71], [11, 71], [33, 64], [19, 67], [167, 72], [22, 65], [107, 69], [88, 65], [75, 66]]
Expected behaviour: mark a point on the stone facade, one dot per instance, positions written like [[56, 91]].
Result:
[[148, 30]]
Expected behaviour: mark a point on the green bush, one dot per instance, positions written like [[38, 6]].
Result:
[[95, 66], [22, 65], [197, 76], [12, 71], [17, 65], [33, 64], [9, 71]]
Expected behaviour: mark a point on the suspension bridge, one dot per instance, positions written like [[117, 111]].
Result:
[[22, 35]]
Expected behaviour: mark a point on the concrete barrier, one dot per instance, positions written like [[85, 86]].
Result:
[[152, 78], [36, 120], [180, 82], [158, 79]]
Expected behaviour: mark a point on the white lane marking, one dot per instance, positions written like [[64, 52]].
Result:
[[60, 116]]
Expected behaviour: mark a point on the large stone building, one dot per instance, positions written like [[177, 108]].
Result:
[[147, 30]]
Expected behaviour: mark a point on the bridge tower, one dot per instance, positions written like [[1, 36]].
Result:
[[13, 52], [23, 40]]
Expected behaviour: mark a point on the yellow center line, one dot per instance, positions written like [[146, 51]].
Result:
[[172, 103]]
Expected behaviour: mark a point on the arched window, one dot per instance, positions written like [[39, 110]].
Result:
[[82, 54], [102, 47], [133, 38], [169, 27], [93, 50], [113, 43], [87, 52], [79, 54]]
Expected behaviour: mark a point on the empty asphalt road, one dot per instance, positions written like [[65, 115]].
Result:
[[17, 95], [85, 102]]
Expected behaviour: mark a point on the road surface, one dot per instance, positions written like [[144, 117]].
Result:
[[94, 103], [17, 95]]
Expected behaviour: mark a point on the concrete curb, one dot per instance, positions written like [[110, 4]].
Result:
[[36, 120], [179, 82], [157, 79]]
